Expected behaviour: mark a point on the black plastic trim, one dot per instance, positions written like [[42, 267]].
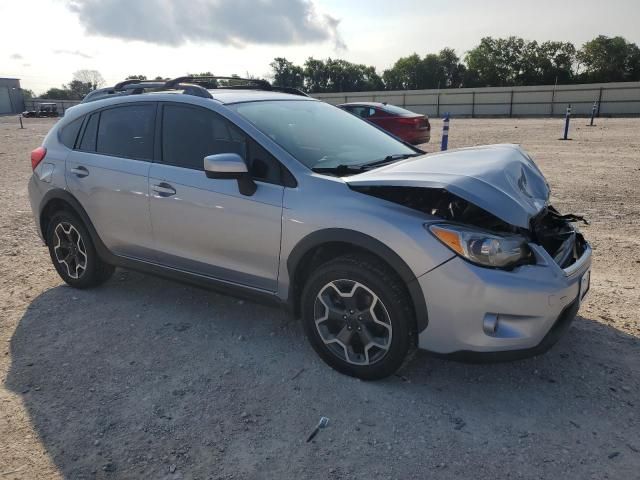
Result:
[[232, 289]]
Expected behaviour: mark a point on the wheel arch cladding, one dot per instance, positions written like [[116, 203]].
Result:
[[328, 243], [56, 200]]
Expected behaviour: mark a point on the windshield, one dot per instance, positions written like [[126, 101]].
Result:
[[320, 135]]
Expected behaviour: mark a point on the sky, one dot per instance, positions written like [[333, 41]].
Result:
[[43, 42]]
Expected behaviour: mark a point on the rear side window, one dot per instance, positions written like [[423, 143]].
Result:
[[127, 132], [190, 134], [69, 133], [88, 143], [362, 111]]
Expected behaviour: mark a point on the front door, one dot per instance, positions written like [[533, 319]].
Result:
[[207, 226]]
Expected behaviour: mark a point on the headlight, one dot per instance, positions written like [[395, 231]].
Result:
[[483, 248]]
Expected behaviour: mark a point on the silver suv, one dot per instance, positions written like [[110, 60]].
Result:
[[376, 246]]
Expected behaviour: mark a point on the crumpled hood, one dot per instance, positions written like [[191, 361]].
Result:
[[501, 179]]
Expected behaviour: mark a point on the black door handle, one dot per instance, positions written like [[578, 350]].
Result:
[[163, 189], [80, 171]]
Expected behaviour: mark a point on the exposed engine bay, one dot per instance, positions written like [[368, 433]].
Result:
[[553, 231]]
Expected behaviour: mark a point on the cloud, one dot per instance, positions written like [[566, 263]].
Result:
[[16, 56], [76, 53], [228, 22]]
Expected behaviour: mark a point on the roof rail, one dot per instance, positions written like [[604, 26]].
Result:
[[191, 85], [234, 82], [212, 80]]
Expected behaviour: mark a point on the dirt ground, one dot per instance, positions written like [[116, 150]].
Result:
[[146, 378]]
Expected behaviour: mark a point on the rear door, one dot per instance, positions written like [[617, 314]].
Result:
[[205, 225], [108, 173]]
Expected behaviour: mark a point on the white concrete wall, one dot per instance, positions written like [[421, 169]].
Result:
[[614, 99]]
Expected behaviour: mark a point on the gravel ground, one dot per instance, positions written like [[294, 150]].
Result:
[[146, 378]]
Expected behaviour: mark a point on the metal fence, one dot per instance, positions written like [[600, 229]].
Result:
[[612, 99], [32, 104]]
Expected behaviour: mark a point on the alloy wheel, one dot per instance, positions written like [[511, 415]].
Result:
[[352, 322], [70, 250]]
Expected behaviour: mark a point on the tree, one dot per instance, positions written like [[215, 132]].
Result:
[[606, 59], [286, 74], [136, 77], [92, 77], [57, 94], [78, 90], [558, 62], [339, 76], [496, 61], [315, 76], [27, 94], [406, 74], [442, 70], [452, 69]]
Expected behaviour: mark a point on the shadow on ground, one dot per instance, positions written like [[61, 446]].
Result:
[[145, 378]]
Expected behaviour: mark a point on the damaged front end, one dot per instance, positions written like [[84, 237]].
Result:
[[558, 236], [483, 238], [493, 202]]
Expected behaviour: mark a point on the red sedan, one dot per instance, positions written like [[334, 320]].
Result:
[[409, 126]]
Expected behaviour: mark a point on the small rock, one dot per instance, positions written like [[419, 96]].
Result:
[[625, 388], [613, 455], [172, 468], [109, 467], [241, 337], [96, 443], [244, 415]]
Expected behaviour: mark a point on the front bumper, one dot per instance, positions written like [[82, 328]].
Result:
[[529, 307]]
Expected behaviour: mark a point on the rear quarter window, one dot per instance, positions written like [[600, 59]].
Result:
[[69, 133], [88, 142]]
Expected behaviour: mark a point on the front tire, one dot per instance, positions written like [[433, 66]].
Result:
[[73, 253], [356, 314]]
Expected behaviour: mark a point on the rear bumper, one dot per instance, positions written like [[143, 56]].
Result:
[[477, 313], [417, 137]]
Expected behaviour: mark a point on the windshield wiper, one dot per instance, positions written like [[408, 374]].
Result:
[[339, 169], [389, 159], [362, 167]]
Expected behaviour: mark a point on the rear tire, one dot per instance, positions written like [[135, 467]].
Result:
[[73, 253], [357, 316]]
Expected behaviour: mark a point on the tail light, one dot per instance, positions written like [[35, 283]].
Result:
[[417, 122], [37, 156]]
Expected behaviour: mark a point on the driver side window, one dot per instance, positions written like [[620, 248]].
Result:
[[191, 133]]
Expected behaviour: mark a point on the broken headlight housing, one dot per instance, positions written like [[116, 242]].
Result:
[[483, 248]]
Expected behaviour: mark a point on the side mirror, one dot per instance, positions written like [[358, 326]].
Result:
[[230, 166]]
